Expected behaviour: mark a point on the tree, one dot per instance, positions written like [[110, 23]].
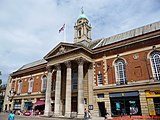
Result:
[[0, 82]]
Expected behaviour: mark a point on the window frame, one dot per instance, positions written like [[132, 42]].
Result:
[[154, 66], [19, 87], [30, 88], [99, 82], [120, 72], [42, 86]]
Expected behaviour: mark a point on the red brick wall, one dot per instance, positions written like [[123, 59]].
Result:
[[25, 84], [136, 69], [99, 69]]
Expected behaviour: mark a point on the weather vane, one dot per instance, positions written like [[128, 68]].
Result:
[[82, 10]]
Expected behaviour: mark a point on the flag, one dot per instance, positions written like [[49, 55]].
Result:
[[62, 28]]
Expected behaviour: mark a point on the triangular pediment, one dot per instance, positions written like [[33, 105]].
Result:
[[60, 49]]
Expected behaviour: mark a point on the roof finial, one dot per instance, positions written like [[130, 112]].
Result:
[[82, 11]]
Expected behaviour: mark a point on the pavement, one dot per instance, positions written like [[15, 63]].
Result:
[[4, 116]]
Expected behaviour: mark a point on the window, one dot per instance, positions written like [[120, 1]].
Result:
[[155, 62], [98, 65], [100, 95], [44, 83], [99, 77], [79, 33], [30, 85], [74, 79], [19, 87], [120, 72]]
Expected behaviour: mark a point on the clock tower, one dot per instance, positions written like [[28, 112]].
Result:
[[82, 29]]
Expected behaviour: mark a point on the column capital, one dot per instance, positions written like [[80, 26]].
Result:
[[90, 65], [80, 61], [68, 64], [49, 68], [58, 66]]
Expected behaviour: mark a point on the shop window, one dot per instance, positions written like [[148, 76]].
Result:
[[123, 104], [44, 83], [120, 72], [30, 86], [99, 78], [155, 62]]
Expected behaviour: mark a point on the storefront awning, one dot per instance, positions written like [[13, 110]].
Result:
[[39, 103]]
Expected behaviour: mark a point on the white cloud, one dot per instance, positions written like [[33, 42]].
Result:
[[29, 28]]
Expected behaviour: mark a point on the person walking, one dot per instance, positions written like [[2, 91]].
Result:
[[11, 116], [85, 113]]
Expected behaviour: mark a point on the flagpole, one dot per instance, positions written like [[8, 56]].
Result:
[[64, 34]]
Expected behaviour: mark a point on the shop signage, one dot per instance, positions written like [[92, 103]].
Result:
[[90, 107], [153, 93], [151, 107]]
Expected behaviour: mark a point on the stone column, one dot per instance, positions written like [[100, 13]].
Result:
[[80, 89], [108, 104], [57, 91], [47, 111], [22, 104], [90, 85], [68, 90], [143, 103]]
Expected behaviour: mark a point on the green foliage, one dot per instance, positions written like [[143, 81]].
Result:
[[0, 82]]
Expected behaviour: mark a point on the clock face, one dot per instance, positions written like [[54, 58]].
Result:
[[135, 56]]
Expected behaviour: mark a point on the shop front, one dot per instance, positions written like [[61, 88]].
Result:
[[153, 100], [17, 104], [39, 106], [126, 103]]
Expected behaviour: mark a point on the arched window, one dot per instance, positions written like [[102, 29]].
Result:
[[44, 83], [19, 86], [120, 68], [155, 62], [30, 85]]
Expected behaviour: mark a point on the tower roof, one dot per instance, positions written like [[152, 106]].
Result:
[[82, 15]]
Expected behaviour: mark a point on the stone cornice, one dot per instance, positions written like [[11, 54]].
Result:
[[131, 85]]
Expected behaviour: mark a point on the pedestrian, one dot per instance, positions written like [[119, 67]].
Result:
[[89, 114], [85, 113], [106, 114], [11, 116]]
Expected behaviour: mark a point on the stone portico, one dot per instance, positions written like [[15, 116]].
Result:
[[64, 65]]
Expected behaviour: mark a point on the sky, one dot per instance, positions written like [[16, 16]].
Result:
[[29, 28]]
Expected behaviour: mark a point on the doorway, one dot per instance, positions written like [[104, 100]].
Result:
[[102, 110]]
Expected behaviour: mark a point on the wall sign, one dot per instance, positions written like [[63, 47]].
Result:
[[90, 107]]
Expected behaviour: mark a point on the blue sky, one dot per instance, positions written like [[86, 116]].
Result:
[[29, 28]]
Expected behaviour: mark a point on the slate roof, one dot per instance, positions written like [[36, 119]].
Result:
[[35, 63], [106, 41], [129, 34]]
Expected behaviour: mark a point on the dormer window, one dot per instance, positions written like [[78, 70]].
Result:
[[79, 21]]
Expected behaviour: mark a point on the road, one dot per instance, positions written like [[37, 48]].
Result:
[[4, 116]]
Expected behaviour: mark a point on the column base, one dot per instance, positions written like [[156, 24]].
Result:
[[80, 116], [48, 113], [68, 114], [57, 115]]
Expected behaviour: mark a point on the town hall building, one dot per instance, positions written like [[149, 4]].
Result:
[[119, 75]]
